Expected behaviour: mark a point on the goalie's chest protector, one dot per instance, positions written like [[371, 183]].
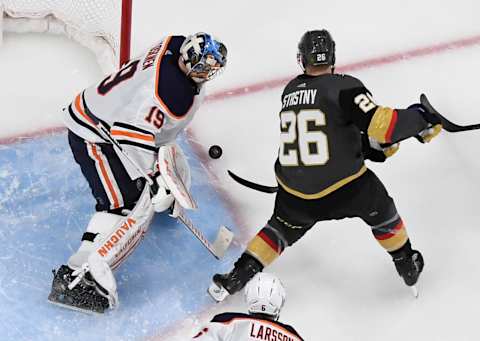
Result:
[[149, 93]]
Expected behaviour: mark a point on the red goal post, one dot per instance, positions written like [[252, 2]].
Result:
[[103, 26]]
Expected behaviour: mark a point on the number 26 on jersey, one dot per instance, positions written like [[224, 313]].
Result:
[[301, 139]]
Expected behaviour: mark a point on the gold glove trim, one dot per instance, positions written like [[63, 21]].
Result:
[[380, 127]]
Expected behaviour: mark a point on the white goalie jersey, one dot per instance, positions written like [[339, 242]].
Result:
[[243, 327], [143, 106]]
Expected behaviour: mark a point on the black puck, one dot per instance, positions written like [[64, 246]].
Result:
[[215, 151]]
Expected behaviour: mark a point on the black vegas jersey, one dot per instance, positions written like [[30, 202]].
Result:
[[321, 124]]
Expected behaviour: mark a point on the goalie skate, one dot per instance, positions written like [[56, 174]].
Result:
[[84, 296]]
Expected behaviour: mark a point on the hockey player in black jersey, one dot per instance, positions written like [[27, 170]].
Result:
[[265, 296], [329, 125]]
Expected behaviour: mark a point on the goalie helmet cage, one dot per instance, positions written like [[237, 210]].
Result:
[[103, 26]]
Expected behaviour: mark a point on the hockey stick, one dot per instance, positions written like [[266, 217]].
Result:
[[222, 241], [224, 236], [253, 185], [447, 124]]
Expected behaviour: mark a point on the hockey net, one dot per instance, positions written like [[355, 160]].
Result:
[[103, 26]]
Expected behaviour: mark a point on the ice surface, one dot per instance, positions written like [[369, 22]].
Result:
[[340, 284]]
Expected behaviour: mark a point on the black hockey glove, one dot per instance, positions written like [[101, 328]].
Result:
[[376, 152], [434, 123]]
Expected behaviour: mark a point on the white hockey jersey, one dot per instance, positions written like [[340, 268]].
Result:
[[143, 106], [243, 327]]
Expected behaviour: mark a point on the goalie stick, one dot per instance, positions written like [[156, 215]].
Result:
[[446, 124], [224, 236]]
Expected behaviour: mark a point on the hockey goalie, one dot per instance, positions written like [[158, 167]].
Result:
[[122, 132]]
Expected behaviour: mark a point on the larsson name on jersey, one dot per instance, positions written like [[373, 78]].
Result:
[[299, 97], [262, 332]]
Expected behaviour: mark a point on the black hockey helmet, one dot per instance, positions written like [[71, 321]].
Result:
[[316, 48]]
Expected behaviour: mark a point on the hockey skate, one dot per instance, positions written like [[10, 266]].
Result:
[[228, 284], [409, 267], [81, 294]]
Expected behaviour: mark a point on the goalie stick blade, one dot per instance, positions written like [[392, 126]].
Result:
[[252, 185], [447, 124], [222, 242], [217, 293]]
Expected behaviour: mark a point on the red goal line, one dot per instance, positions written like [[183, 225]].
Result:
[[274, 83], [361, 65]]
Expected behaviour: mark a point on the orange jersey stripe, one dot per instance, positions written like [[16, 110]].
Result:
[[134, 135], [78, 106], [276, 326], [105, 176]]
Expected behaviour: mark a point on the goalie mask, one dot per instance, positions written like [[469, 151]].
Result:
[[203, 56]]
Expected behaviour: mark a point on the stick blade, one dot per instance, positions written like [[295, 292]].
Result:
[[222, 242], [414, 291], [447, 124]]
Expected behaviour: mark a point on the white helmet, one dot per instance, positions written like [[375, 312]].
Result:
[[265, 294]]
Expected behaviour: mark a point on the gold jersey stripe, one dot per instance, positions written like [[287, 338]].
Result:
[[327, 190], [380, 124], [396, 241], [262, 251]]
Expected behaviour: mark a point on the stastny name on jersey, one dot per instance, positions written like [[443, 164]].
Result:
[[298, 97]]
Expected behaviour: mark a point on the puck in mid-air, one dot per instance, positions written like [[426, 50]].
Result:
[[215, 151]]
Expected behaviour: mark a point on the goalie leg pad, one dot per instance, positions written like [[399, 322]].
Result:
[[114, 237], [98, 229]]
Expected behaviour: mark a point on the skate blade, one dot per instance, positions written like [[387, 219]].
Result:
[[217, 293], [69, 307], [414, 290]]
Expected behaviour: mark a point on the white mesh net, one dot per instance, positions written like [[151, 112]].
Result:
[[98, 19]]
